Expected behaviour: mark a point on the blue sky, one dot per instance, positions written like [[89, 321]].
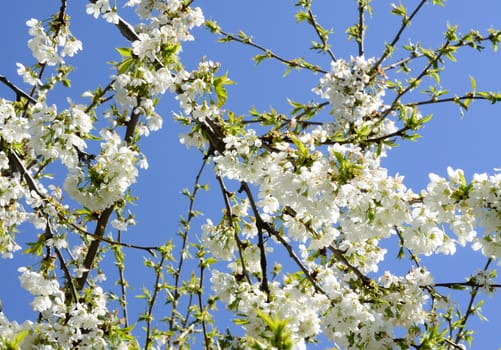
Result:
[[471, 142]]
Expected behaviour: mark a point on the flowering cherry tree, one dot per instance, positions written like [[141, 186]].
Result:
[[308, 208]]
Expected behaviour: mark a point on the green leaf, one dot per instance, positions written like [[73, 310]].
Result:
[[473, 84], [260, 58], [399, 10], [301, 16], [124, 66], [213, 26], [220, 90], [15, 343], [124, 51]]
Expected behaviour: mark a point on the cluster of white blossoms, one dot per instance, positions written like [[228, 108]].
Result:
[[83, 328], [13, 128], [321, 193], [103, 8], [60, 135], [12, 212], [342, 198], [45, 48], [354, 90], [107, 177]]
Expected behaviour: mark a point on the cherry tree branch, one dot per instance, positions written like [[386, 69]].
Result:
[[246, 40], [282, 241], [405, 23], [94, 246], [361, 27], [19, 92], [151, 302], [260, 225], [318, 30], [229, 215], [184, 237], [122, 281], [470, 310]]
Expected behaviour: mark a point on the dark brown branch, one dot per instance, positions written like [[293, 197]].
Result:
[[49, 234], [67, 274], [361, 27], [468, 96], [123, 286], [229, 215], [260, 224], [19, 92], [149, 249], [282, 241], [201, 307], [466, 284], [94, 246]]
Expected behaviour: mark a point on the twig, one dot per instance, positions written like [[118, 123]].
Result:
[[325, 45], [260, 224], [149, 249], [430, 64], [94, 246], [229, 215], [405, 24], [468, 96], [184, 235], [19, 92], [123, 287], [200, 305], [151, 302], [361, 27], [469, 311], [282, 241], [289, 62]]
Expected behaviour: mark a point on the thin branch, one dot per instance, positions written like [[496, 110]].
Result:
[[339, 254], [322, 38], [458, 44], [282, 241], [19, 92], [470, 310], [402, 245], [468, 96], [149, 249], [184, 235], [152, 301], [456, 346], [465, 284], [123, 285], [430, 64], [200, 306], [405, 24], [49, 234], [67, 274], [294, 63], [260, 224], [361, 27], [126, 29], [229, 215]]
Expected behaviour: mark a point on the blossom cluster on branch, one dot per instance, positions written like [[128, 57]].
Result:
[[308, 207]]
